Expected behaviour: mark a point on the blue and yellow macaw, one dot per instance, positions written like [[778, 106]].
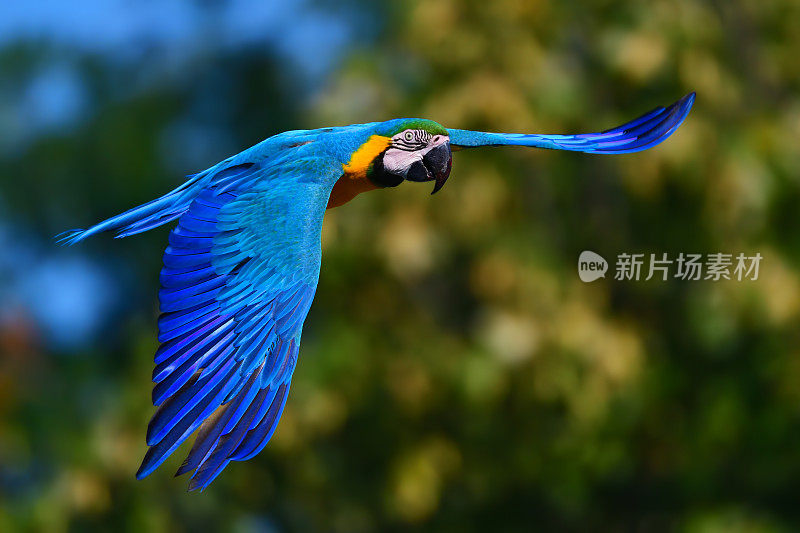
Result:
[[243, 262]]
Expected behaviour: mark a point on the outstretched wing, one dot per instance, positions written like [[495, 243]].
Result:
[[238, 279], [639, 134]]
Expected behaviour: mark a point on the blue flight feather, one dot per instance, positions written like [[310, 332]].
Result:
[[644, 132]]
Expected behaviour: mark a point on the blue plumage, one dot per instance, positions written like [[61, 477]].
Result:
[[639, 134], [242, 264]]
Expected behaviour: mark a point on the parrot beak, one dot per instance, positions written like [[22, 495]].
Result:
[[435, 166], [439, 161]]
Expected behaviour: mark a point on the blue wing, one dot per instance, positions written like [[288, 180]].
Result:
[[639, 134], [239, 277]]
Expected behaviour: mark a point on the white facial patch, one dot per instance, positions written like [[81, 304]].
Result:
[[408, 147]]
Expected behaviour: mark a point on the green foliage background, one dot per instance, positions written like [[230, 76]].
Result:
[[455, 373]]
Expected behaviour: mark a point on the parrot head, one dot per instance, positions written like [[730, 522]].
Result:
[[416, 150]]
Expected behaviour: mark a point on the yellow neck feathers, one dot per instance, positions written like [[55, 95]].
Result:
[[354, 179]]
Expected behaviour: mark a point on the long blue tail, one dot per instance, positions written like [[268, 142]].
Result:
[[144, 217]]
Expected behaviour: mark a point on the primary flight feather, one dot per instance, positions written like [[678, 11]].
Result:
[[242, 265]]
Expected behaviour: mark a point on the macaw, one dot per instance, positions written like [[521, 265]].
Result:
[[243, 262]]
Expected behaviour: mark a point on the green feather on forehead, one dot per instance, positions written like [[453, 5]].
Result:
[[396, 126]]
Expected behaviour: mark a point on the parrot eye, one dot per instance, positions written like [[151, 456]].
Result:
[[409, 136]]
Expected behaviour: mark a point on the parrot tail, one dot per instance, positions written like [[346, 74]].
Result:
[[144, 217]]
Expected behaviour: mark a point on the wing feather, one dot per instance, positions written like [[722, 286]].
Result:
[[639, 134], [239, 277]]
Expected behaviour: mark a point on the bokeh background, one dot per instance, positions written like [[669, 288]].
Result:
[[455, 373]]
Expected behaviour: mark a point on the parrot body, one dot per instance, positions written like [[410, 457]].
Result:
[[242, 265]]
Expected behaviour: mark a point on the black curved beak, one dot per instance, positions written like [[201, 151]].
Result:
[[439, 161], [435, 166]]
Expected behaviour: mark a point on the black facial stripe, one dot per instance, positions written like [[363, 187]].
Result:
[[407, 147], [421, 138]]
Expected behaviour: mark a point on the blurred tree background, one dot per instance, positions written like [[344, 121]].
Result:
[[455, 373]]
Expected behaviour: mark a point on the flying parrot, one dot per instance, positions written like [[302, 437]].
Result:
[[243, 262]]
